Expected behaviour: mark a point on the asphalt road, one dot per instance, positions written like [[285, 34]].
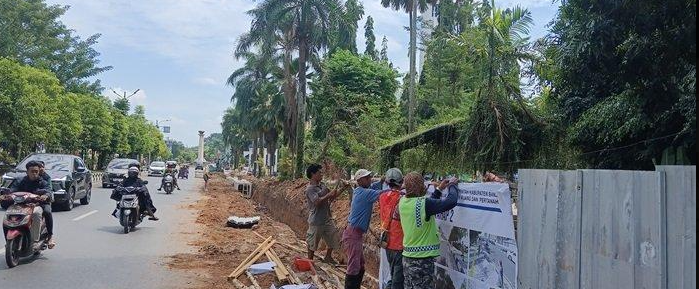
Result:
[[92, 251]]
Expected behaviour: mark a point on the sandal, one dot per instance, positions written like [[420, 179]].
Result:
[[51, 244]]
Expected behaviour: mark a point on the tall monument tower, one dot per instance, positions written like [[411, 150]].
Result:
[[200, 158]]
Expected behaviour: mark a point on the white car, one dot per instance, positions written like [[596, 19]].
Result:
[[156, 169]]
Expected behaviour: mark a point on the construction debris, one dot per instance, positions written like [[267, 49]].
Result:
[[281, 271], [242, 223]]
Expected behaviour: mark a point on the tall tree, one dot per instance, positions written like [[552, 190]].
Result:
[[494, 130], [310, 22], [625, 72], [33, 34], [345, 22], [412, 7], [278, 41], [384, 49], [370, 39]]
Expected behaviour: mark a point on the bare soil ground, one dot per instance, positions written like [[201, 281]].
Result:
[[220, 249]]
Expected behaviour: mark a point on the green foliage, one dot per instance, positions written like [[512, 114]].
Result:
[[625, 72], [350, 97], [27, 99], [343, 31], [370, 39], [98, 123], [32, 34]]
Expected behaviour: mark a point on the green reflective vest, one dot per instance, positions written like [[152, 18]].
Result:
[[420, 239]]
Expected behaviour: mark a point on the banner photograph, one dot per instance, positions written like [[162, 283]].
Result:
[[478, 247]]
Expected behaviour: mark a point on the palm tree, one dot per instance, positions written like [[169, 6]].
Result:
[[345, 24], [309, 23], [500, 47], [276, 41], [411, 7], [257, 96]]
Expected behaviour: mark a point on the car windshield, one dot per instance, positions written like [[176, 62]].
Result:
[[157, 164], [53, 163], [120, 164]]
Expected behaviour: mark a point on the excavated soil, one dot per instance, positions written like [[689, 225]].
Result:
[[220, 249], [286, 201]]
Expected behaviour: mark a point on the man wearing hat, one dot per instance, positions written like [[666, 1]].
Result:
[[363, 200]]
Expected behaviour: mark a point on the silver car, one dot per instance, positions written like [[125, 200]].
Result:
[[156, 169]]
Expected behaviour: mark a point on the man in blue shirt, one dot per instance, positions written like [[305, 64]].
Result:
[[363, 199]]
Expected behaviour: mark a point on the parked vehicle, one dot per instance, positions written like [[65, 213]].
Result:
[[70, 178], [24, 227], [129, 209], [168, 184], [156, 169], [116, 172]]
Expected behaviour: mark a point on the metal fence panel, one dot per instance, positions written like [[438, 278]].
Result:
[[549, 229], [569, 230], [621, 232], [607, 229], [681, 223]]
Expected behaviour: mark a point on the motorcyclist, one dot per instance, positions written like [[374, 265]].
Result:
[[133, 180], [35, 184], [42, 172], [171, 170]]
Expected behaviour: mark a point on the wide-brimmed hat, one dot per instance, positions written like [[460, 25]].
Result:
[[362, 174]]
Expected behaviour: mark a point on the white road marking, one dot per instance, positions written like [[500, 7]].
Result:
[[85, 216]]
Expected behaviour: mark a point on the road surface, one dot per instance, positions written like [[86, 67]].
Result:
[[93, 252]]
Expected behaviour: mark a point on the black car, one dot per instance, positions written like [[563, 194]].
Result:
[[70, 178], [116, 172]]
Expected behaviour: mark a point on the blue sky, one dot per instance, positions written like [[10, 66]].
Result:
[[179, 52]]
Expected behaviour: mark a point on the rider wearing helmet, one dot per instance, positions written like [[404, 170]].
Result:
[[171, 170], [133, 180]]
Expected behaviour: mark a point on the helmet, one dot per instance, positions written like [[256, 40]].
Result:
[[133, 172], [135, 165]]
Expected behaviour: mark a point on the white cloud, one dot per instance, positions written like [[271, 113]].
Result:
[[207, 81]]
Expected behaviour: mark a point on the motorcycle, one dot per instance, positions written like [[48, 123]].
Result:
[[168, 184], [24, 227], [129, 208], [183, 174]]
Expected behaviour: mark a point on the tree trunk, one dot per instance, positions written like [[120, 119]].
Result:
[[413, 55], [253, 156], [301, 127], [291, 109]]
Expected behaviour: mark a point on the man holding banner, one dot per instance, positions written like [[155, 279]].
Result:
[[421, 240]]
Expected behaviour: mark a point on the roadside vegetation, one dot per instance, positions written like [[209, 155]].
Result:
[[50, 98], [612, 85]]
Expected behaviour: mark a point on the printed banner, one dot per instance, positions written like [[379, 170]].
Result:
[[478, 247]]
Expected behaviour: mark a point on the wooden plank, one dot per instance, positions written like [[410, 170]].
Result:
[[238, 285], [317, 282], [252, 280], [251, 261], [277, 270], [247, 259]]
